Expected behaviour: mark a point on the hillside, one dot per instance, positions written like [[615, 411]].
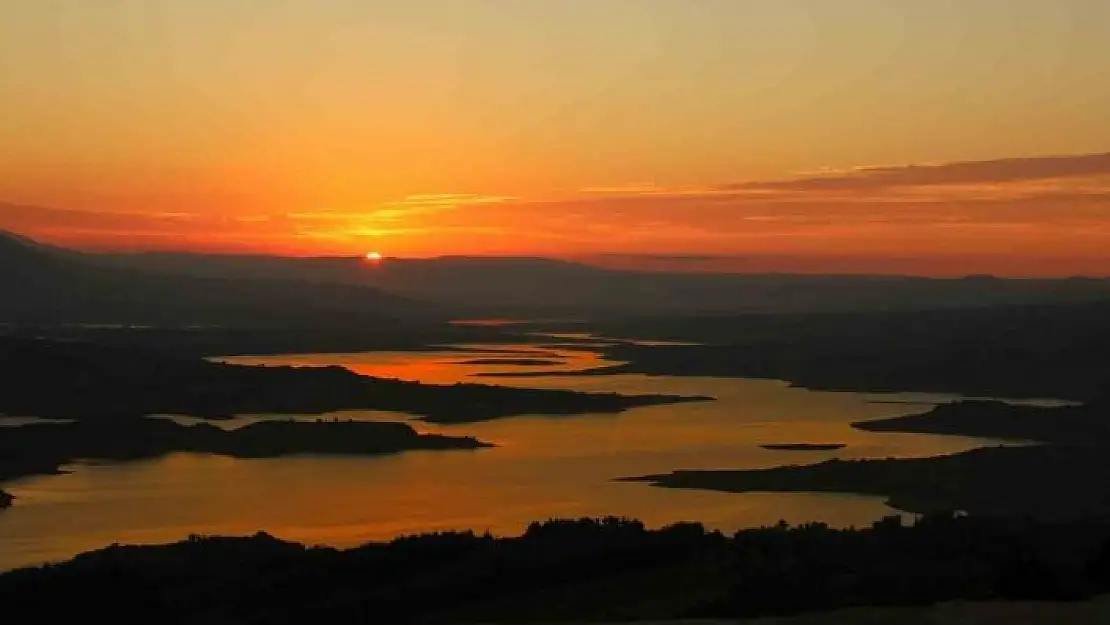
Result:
[[575, 571], [543, 287], [41, 284]]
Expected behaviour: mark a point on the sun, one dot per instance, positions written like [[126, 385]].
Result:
[[374, 256]]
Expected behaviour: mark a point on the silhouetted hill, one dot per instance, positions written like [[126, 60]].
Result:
[[539, 287], [40, 284], [569, 571]]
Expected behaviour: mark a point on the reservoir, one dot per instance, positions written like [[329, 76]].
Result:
[[541, 467]]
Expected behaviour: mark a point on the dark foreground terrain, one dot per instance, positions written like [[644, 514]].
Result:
[[44, 448], [77, 380], [565, 571]]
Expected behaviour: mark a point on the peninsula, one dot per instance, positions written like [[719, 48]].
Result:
[[75, 380], [1054, 482], [1065, 476], [511, 362], [1002, 350], [1079, 425], [804, 446], [44, 448]]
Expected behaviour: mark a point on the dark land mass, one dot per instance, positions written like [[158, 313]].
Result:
[[40, 284], [1078, 425], [1067, 477], [614, 370], [70, 380], [574, 346], [1044, 351], [6, 499], [44, 448], [536, 288], [516, 362], [1045, 482], [241, 340], [804, 446], [507, 352], [569, 571]]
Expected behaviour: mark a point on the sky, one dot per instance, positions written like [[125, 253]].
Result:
[[948, 136]]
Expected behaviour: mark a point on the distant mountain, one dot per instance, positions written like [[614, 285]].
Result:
[[540, 287], [43, 284]]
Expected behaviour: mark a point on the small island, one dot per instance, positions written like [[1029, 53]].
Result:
[[571, 373], [6, 499], [511, 362], [804, 446]]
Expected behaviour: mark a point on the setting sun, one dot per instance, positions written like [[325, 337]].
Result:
[[373, 256]]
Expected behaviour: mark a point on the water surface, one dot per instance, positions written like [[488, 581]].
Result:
[[542, 467]]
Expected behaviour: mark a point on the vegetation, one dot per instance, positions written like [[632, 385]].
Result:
[[564, 570]]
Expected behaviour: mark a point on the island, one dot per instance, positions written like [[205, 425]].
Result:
[[84, 381], [6, 499], [511, 362], [570, 373], [804, 446], [44, 448]]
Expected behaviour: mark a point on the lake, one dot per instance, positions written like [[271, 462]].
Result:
[[542, 466]]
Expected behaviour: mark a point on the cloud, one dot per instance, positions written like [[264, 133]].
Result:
[[677, 258], [1008, 170], [18, 213], [1006, 205]]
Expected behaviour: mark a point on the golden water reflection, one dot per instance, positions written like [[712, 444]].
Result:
[[542, 467]]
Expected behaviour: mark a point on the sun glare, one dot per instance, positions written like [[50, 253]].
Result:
[[374, 256]]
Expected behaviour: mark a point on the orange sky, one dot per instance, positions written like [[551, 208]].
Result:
[[794, 135]]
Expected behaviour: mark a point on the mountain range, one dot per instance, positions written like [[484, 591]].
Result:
[[524, 287], [45, 284]]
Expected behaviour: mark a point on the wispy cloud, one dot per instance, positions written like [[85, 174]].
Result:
[[1022, 205], [958, 173]]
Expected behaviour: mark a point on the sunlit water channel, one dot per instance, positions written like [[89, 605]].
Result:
[[542, 466]]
